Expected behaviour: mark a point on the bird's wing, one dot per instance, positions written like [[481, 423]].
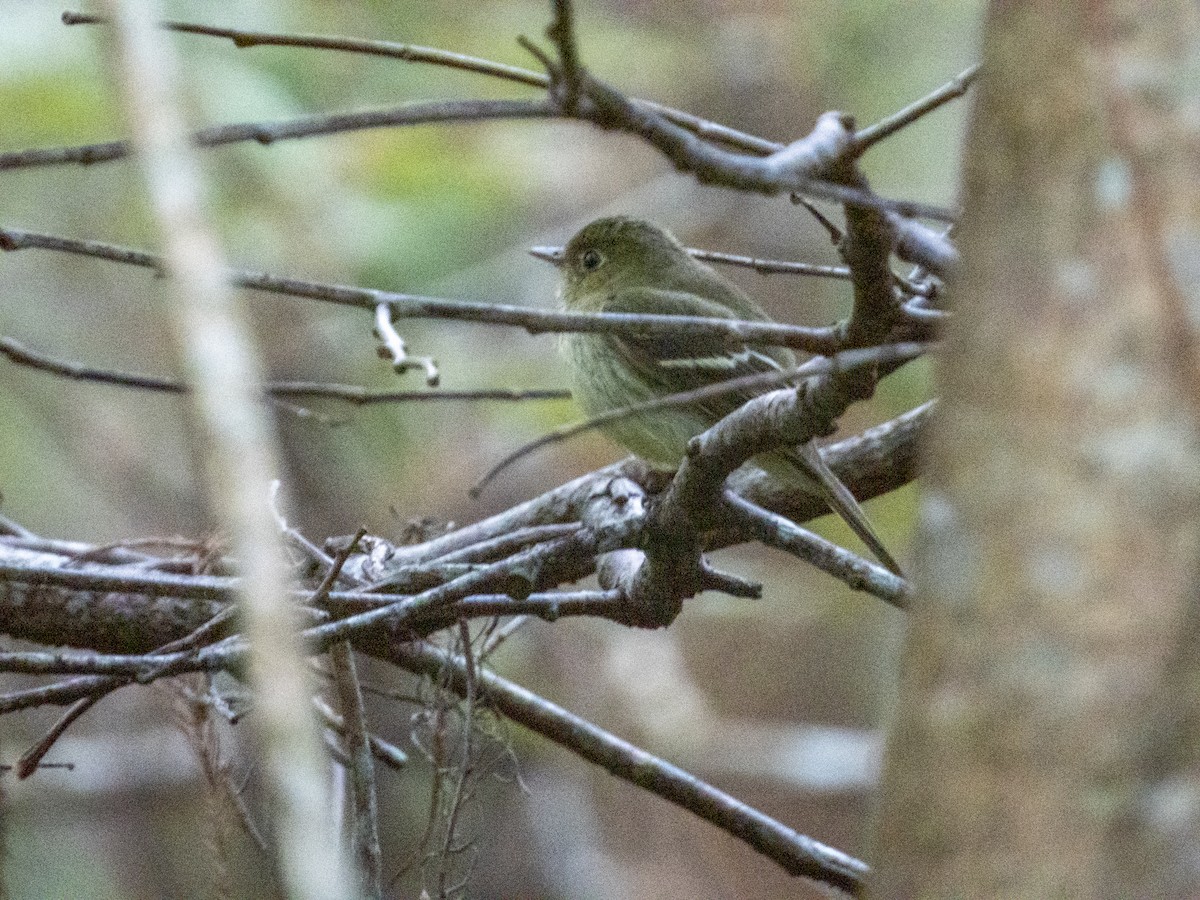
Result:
[[678, 363], [813, 468], [683, 363]]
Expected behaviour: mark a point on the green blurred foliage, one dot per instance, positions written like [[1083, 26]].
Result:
[[449, 210]]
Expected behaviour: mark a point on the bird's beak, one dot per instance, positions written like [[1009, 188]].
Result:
[[553, 255]]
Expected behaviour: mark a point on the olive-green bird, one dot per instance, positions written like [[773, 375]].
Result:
[[631, 266]]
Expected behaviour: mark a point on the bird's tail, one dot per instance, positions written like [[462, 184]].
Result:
[[807, 458]]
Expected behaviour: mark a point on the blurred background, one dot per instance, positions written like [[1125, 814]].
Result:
[[778, 701]]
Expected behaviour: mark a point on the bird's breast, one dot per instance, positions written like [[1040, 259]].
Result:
[[603, 383]]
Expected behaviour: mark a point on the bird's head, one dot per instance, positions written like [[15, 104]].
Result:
[[612, 253]]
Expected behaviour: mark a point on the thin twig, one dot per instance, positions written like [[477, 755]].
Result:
[[334, 573], [771, 266], [363, 397], [840, 362], [360, 764], [193, 642], [466, 767], [12, 527], [392, 346], [549, 606], [884, 128], [361, 767], [416, 54], [800, 167], [32, 758], [293, 537], [506, 544], [406, 52], [59, 693], [761, 266], [69, 767], [267, 133], [536, 321], [561, 32], [796, 853], [497, 638], [19, 354], [196, 720], [831, 228], [359, 751], [385, 751], [920, 315], [127, 552], [776, 531]]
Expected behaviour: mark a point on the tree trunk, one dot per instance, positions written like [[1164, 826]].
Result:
[[1046, 740]]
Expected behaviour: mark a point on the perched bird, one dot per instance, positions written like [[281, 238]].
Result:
[[631, 266]]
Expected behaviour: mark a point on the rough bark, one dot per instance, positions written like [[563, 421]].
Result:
[[1045, 741]]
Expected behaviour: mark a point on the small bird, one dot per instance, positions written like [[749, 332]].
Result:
[[627, 265]]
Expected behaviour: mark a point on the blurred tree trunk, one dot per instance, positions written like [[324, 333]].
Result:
[[3, 843], [1047, 739]]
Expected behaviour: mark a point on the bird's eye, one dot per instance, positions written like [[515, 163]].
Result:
[[591, 259]]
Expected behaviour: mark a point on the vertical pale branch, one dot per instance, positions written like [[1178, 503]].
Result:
[[361, 770], [222, 365], [1046, 739], [3, 833]]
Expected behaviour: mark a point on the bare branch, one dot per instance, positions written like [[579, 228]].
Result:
[[776, 531], [74, 662], [506, 544], [804, 165], [885, 128], [796, 853], [844, 361], [548, 607], [798, 167], [32, 758], [535, 321], [457, 797], [761, 266], [668, 569], [416, 54], [867, 250], [384, 751], [359, 396], [57, 694], [561, 32], [120, 608], [682, 138], [393, 347], [770, 266], [223, 365], [21, 355], [365, 838], [266, 133], [389, 49]]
